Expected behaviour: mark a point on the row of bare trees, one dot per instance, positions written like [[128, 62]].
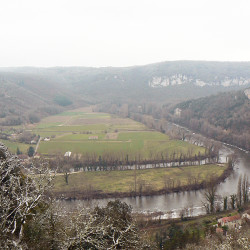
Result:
[[214, 203], [123, 161]]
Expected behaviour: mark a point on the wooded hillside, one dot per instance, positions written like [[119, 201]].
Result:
[[225, 117]]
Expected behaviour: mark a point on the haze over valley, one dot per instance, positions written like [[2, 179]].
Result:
[[124, 124]]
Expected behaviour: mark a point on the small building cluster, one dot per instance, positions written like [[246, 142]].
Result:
[[232, 222]]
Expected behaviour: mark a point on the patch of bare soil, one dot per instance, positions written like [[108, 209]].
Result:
[[88, 109], [56, 118], [111, 136], [121, 121], [87, 121]]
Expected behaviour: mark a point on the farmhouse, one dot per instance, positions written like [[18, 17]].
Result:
[[93, 137], [67, 154], [46, 139], [231, 222]]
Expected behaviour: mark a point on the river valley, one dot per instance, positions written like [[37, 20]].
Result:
[[170, 205]]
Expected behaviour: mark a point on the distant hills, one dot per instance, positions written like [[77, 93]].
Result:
[[28, 90], [28, 97]]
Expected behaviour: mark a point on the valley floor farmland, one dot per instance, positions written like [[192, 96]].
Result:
[[140, 182], [82, 131], [100, 140], [12, 146]]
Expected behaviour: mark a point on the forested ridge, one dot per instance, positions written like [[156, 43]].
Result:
[[225, 117]]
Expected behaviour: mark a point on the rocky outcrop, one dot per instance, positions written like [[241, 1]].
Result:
[[177, 79]]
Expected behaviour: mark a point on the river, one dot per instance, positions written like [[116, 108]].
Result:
[[170, 205]]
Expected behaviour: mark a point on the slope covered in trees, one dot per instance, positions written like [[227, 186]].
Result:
[[27, 93], [28, 97], [225, 117]]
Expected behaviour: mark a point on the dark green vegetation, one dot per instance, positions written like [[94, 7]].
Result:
[[31, 151], [225, 117], [62, 101]]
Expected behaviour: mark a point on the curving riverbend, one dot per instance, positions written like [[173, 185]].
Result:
[[171, 204]]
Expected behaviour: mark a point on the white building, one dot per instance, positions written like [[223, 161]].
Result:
[[67, 154]]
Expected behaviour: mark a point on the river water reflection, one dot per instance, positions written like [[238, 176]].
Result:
[[172, 204]]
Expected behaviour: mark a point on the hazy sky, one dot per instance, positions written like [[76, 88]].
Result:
[[122, 32]]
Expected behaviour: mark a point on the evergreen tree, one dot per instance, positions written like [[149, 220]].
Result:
[[31, 151], [18, 152]]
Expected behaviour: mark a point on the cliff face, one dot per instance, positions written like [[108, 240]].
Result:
[[178, 79], [247, 93]]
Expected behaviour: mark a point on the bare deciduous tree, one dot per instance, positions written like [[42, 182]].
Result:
[[110, 227], [21, 191], [210, 195]]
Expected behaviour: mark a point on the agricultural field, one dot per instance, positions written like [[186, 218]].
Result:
[[12, 146], [124, 181], [81, 131]]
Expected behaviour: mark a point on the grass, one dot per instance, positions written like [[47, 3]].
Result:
[[99, 148], [123, 181], [149, 135], [12, 146], [127, 127], [47, 125], [47, 133], [84, 114], [83, 128], [147, 144], [79, 143], [79, 137], [133, 137], [173, 146]]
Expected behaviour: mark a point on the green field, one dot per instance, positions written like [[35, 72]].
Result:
[[124, 181], [81, 128], [12, 146], [72, 131]]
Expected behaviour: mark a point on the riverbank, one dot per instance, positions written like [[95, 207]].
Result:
[[174, 233], [143, 182]]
